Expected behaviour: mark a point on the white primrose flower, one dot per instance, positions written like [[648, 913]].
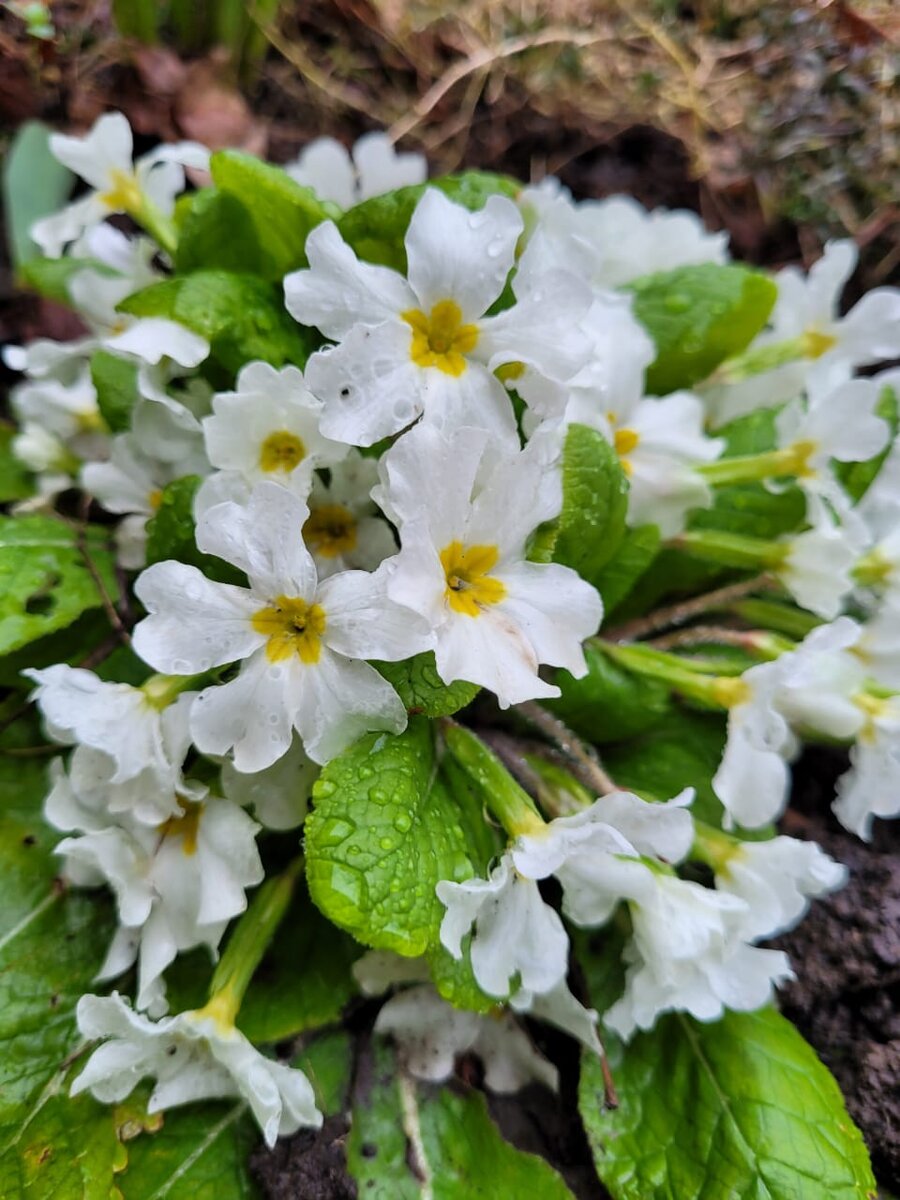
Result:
[[775, 879], [127, 723], [559, 1007], [269, 429], [688, 953], [613, 241], [581, 850], [808, 310], [66, 409], [370, 169], [422, 345], [871, 788], [817, 566], [465, 514], [431, 1034], [192, 1056], [878, 646], [837, 423], [516, 935], [279, 794], [131, 483], [177, 884], [103, 159], [805, 688], [303, 642]]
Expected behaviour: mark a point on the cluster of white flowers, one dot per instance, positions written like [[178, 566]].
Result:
[[508, 325]]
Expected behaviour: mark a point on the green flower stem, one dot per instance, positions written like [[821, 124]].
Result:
[[510, 803], [712, 846], [751, 468], [584, 759], [781, 618], [758, 359], [718, 691], [559, 792], [732, 549], [163, 690], [248, 943]]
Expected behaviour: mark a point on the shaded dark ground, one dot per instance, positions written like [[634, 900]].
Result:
[[848, 1000]]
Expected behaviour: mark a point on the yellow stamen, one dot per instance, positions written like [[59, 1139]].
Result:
[[802, 452], [155, 499], [624, 441], [292, 627], [470, 588], [184, 826], [281, 451], [440, 339], [330, 530], [125, 193]]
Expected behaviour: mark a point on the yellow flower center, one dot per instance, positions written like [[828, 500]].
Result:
[[292, 627], [730, 692], [510, 372], [155, 499], [470, 588], [330, 530], [815, 344], [624, 441], [440, 339], [125, 193], [281, 451], [802, 452], [184, 826]]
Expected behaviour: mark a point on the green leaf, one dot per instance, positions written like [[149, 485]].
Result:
[[170, 533], [634, 556], [215, 231], [739, 1108], [421, 688], [15, 478], [608, 703], [457, 1150], [385, 829], [241, 316], [683, 749], [698, 316], [328, 1064], [376, 228], [52, 942], [51, 277], [70, 645], [44, 579], [70, 1150], [115, 381], [282, 210], [595, 501], [857, 477], [282, 1001], [199, 1153], [35, 185]]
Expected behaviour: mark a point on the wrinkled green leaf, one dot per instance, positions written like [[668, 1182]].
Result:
[[384, 830], [698, 316], [282, 210], [51, 277], [215, 232], [595, 501], [170, 533], [608, 703], [35, 185], [15, 478], [115, 380], [465, 1157], [44, 580], [421, 688], [376, 228], [738, 1108], [241, 316], [634, 556]]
